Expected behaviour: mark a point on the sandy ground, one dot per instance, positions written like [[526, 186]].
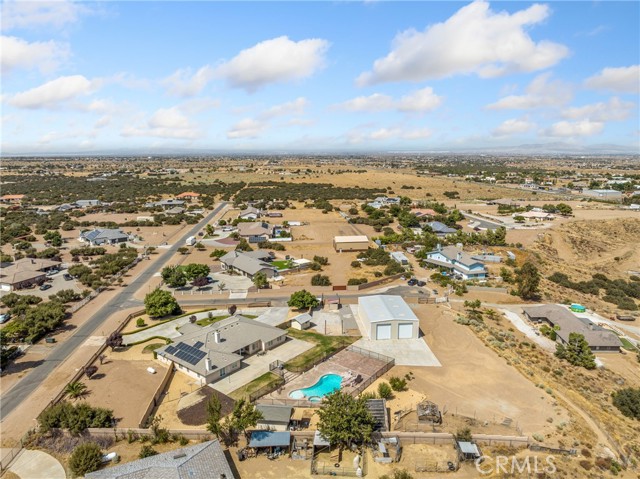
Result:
[[179, 386], [491, 393]]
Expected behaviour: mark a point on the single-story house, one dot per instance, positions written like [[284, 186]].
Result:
[[440, 229], [205, 460], [255, 232], [350, 243], [274, 418], [274, 214], [65, 207], [188, 195], [457, 261], [249, 263], [176, 210], [423, 212], [301, 321], [15, 199], [212, 352], [87, 203], [399, 257], [99, 237], [565, 323], [535, 215], [387, 317], [25, 272], [250, 213], [165, 204]]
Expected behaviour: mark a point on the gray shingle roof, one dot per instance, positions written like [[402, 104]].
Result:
[[244, 262], [200, 461], [106, 234], [257, 228], [439, 227]]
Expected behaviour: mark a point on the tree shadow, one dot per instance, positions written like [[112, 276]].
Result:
[[14, 368], [98, 376]]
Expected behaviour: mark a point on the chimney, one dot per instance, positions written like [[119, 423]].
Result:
[[439, 247], [216, 336], [459, 255], [207, 364]]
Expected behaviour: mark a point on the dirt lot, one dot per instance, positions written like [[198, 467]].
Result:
[[496, 392], [124, 375]]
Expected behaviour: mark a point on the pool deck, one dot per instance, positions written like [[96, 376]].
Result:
[[342, 363]]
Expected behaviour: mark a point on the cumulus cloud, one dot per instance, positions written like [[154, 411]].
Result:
[[18, 53], [184, 83], [418, 101], [26, 14], [357, 135], [274, 61], [613, 110], [575, 128], [474, 40], [512, 126], [54, 93], [541, 92], [621, 80], [168, 123], [253, 127]]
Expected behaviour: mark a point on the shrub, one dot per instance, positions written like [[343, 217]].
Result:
[[320, 280], [147, 451], [356, 281], [75, 418], [464, 434], [140, 323], [384, 391], [315, 266], [85, 458], [398, 384], [628, 402], [322, 260], [356, 264]]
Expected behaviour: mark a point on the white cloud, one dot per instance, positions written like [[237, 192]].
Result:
[[168, 123], [53, 94], [621, 80], [274, 61], [473, 40], [512, 126], [614, 110], [418, 101], [198, 105], [253, 127], [575, 128], [18, 53], [357, 135], [185, 84], [102, 122], [36, 14], [539, 93]]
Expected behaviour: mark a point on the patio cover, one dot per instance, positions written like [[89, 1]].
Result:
[[319, 440], [270, 439]]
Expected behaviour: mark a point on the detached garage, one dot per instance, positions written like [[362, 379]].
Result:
[[350, 243], [387, 317]]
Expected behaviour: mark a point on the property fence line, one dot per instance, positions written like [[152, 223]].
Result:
[[288, 402], [268, 388], [330, 469], [321, 359], [553, 450], [8, 456], [155, 400], [370, 354]]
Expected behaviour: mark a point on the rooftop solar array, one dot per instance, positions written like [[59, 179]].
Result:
[[186, 353], [198, 344]]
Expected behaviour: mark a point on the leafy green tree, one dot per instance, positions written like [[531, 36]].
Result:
[[85, 458], [260, 280], [160, 303], [345, 420], [75, 417], [321, 260], [214, 415], [473, 305], [244, 416], [506, 275], [54, 238], [528, 280], [173, 276], [302, 299], [564, 209], [398, 384], [76, 389], [217, 253], [196, 270], [628, 402], [577, 352], [243, 245], [320, 280], [66, 296], [183, 250]]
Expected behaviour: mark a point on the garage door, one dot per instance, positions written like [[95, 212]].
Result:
[[405, 331], [383, 331]]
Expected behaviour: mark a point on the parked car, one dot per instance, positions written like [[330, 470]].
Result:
[[67, 277], [435, 292], [209, 280], [421, 283], [4, 318], [412, 282], [52, 272], [45, 287]]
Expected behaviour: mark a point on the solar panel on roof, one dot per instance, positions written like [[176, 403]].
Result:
[[181, 346], [170, 349], [198, 344]]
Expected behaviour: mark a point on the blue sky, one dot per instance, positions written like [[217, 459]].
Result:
[[317, 76]]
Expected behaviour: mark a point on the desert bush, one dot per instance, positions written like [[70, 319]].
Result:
[[384, 391], [85, 458]]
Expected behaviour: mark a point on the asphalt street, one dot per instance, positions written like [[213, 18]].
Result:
[[123, 299]]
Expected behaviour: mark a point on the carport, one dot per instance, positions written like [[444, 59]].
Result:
[[270, 441]]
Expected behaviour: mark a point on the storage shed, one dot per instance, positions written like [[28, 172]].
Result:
[[274, 417], [387, 317], [350, 243], [301, 321]]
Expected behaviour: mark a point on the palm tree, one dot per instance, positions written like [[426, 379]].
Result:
[[76, 389]]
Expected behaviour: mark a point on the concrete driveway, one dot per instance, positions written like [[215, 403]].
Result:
[[232, 282], [37, 465], [406, 352], [255, 366]]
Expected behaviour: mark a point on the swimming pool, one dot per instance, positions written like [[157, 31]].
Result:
[[325, 385]]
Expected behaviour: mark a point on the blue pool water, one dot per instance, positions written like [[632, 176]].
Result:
[[325, 385]]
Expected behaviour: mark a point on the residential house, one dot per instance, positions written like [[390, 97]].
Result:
[[25, 272], [250, 213], [565, 323], [13, 199], [87, 203], [455, 260], [423, 212], [205, 460], [99, 237], [387, 317], [188, 195], [535, 215], [440, 229], [164, 204], [212, 352], [255, 232], [176, 210], [249, 263]]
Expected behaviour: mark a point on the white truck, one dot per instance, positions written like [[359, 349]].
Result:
[[191, 240]]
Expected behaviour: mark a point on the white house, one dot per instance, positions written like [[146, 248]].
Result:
[[387, 317], [458, 262], [399, 257], [250, 213]]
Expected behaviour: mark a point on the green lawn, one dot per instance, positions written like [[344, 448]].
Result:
[[324, 345], [208, 321], [149, 348], [281, 264], [626, 344], [249, 388]]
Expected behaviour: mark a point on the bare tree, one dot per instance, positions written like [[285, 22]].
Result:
[[102, 357]]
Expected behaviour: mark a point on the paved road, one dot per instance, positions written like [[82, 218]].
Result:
[[122, 300]]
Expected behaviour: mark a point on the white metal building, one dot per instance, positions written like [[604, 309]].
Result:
[[388, 317], [350, 243]]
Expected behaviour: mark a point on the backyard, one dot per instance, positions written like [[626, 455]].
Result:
[[324, 346]]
